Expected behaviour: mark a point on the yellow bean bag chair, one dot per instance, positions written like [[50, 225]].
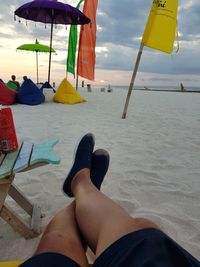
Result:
[[66, 94]]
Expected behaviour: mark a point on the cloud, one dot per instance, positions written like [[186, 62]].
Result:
[[121, 21], [120, 27]]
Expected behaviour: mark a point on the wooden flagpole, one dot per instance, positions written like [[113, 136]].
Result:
[[132, 80], [76, 82]]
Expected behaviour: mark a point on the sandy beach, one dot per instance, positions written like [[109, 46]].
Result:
[[155, 155]]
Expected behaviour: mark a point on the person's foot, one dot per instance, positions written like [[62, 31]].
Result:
[[82, 160], [100, 164]]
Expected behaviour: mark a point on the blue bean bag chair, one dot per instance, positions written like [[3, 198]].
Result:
[[30, 94]]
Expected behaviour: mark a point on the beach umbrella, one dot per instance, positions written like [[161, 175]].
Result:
[[52, 12], [36, 47]]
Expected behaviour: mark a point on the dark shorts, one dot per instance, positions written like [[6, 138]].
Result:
[[144, 248]]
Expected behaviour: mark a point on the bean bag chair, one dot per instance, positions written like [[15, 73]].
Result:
[[30, 94], [66, 94], [12, 85], [46, 85], [7, 95]]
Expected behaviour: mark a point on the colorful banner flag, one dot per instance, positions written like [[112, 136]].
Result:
[[87, 42], [72, 44], [161, 25]]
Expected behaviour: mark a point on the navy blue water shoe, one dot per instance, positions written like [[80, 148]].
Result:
[[82, 159]]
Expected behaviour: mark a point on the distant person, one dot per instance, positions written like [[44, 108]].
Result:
[[93, 219], [25, 78], [13, 79], [109, 89], [182, 88]]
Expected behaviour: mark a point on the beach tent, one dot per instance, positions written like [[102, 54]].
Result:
[[46, 85], [66, 94], [30, 94], [7, 95], [12, 85]]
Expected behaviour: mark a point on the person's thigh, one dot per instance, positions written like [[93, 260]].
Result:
[[111, 232], [147, 247], [62, 237], [61, 243], [49, 259]]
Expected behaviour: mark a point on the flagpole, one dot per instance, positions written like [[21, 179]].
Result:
[[132, 80], [76, 82], [37, 66], [49, 71]]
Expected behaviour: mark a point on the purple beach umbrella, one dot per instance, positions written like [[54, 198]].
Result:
[[52, 12]]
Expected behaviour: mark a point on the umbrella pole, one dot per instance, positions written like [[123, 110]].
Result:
[[37, 66], [132, 80], [50, 52]]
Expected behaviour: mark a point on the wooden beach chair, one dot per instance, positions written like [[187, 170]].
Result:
[[28, 156], [10, 263]]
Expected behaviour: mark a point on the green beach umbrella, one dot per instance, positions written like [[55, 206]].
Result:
[[36, 47]]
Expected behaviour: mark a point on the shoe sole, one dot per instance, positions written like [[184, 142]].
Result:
[[100, 164]]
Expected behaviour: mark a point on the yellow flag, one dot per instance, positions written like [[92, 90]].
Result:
[[161, 25]]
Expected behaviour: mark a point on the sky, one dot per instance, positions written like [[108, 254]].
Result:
[[120, 26]]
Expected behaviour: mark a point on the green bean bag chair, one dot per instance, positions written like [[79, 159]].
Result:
[[12, 85]]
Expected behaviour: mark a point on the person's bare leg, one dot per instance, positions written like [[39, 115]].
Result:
[[62, 236], [100, 219]]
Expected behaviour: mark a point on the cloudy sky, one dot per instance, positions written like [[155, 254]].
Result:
[[120, 27]]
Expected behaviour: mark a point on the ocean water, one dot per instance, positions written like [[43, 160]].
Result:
[[151, 88]]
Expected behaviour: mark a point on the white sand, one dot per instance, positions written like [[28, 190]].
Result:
[[155, 156]]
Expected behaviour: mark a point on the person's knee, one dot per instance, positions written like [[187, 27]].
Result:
[[56, 241], [55, 234], [142, 223]]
